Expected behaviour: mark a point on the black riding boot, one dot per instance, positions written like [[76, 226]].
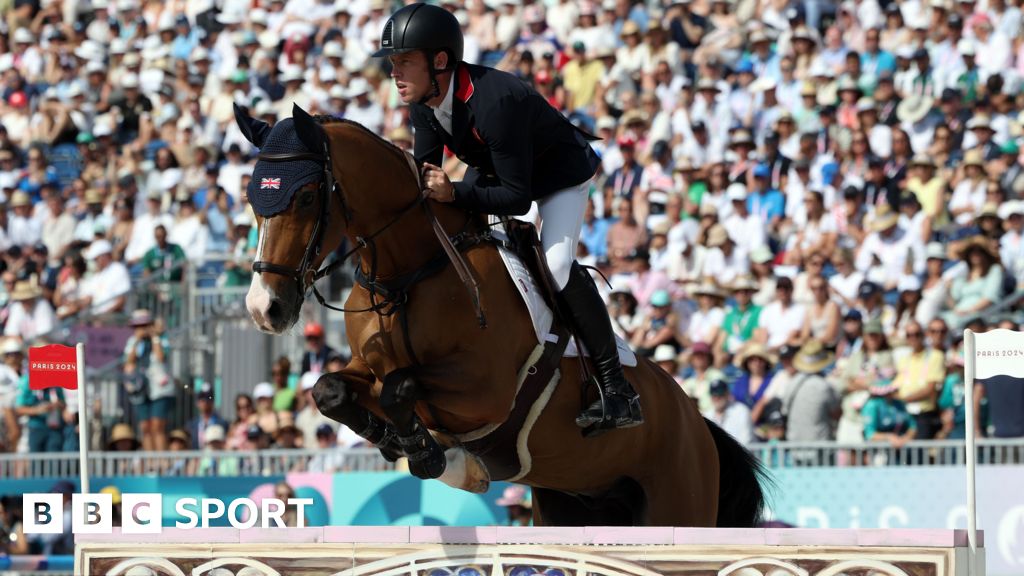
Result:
[[619, 406]]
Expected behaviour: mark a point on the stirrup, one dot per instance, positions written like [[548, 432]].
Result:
[[596, 425]]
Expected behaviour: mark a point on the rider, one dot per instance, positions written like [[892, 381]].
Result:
[[519, 149]]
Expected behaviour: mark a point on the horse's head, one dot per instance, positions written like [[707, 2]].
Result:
[[300, 214]]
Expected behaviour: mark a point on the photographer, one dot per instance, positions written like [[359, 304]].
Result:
[[149, 387]]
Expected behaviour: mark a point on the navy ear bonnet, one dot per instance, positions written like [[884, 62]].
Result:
[[274, 183]]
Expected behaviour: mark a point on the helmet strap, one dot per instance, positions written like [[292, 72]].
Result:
[[435, 89]]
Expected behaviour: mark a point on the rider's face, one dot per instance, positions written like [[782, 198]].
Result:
[[411, 75]]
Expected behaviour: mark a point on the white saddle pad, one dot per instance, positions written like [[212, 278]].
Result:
[[540, 313]]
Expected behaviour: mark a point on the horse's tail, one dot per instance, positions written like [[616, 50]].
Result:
[[741, 476]]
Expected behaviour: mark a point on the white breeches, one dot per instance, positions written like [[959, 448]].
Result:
[[561, 219]]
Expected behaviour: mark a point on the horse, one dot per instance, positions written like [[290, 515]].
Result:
[[444, 369]]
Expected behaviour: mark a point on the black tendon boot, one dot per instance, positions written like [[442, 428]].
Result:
[[619, 405]]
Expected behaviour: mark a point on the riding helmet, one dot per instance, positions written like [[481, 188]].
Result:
[[422, 27]]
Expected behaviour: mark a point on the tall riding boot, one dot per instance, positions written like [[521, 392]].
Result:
[[619, 406]]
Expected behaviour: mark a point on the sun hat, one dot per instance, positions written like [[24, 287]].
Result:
[[717, 236], [813, 357], [885, 218], [98, 248], [708, 289], [754, 350], [664, 353], [122, 432], [263, 390], [25, 291], [214, 433]]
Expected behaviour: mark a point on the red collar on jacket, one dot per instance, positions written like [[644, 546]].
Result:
[[464, 90]]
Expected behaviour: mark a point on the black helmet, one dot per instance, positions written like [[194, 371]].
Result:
[[422, 27]]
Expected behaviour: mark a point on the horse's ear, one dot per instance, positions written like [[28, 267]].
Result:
[[308, 129], [255, 131]]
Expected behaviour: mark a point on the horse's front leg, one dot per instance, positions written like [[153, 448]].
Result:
[[342, 396], [398, 400]]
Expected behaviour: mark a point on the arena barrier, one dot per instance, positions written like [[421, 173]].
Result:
[[497, 551]]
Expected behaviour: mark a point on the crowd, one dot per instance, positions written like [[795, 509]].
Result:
[[801, 205]]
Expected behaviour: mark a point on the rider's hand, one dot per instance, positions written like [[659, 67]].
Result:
[[436, 184]]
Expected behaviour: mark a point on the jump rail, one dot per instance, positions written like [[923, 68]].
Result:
[[520, 551]]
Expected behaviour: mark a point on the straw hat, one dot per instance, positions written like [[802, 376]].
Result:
[[182, 435], [20, 198], [745, 282], [754, 350], [717, 236], [922, 160], [813, 357], [708, 289], [973, 157], [25, 291], [885, 218], [977, 241], [214, 433], [914, 108], [122, 432]]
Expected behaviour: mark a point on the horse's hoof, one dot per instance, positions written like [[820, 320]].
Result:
[[465, 471]]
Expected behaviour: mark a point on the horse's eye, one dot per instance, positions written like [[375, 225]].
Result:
[[306, 200]]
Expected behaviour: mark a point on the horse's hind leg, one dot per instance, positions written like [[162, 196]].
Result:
[[337, 396], [398, 399]]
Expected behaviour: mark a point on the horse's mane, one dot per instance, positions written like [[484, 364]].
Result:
[[326, 120]]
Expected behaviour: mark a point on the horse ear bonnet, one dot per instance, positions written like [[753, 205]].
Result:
[[274, 183]]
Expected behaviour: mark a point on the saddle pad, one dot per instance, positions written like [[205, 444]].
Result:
[[540, 313]]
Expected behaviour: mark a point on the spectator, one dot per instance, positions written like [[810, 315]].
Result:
[[867, 364], [732, 416], [317, 351], [150, 388], [266, 417], [665, 357], [70, 289], [658, 327], [29, 315], [42, 407], [143, 234], [206, 418], [952, 403], [164, 260], [328, 459], [698, 383], [811, 405], [781, 321], [822, 319], [518, 505], [284, 395], [104, 291], [178, 441], [245, 416], [885, 417], [980, 288], [756, 363], [740, 321], [214, 462]]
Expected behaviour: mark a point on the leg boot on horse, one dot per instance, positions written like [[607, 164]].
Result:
[[335, 399], [398, 400], [619, 404]]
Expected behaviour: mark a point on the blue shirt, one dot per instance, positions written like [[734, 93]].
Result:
[[767, 205], [595, 236], [741, 389], [875, 64]]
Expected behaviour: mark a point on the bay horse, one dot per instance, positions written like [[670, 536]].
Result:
[[424, 379]]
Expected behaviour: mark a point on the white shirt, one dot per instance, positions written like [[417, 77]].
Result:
[[29, 325], [735, 420], [143, 237], [23, 231], [780, 323], [443, 113], [105, 286]]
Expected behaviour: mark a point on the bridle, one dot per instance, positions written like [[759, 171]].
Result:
[[395, 292], [305, 276]]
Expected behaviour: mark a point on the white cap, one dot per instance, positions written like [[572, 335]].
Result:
[[118, 46], [357, 86], [258, 16], [100, 4], [605, 122], [214, 433], [130, 80], [966, 47], [328, 74], [736, 191], [308, 380], [98, 248], [74, 90], [337, 91], [292, 74], [333, 50], [125, 5], [11, 346], [101, 129], [263, 390], [23, 36], [198, 54], [264, 107], [242, 219], [664, 353], [908, 284]]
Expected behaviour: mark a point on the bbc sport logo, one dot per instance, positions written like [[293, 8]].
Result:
[[141, 513]]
